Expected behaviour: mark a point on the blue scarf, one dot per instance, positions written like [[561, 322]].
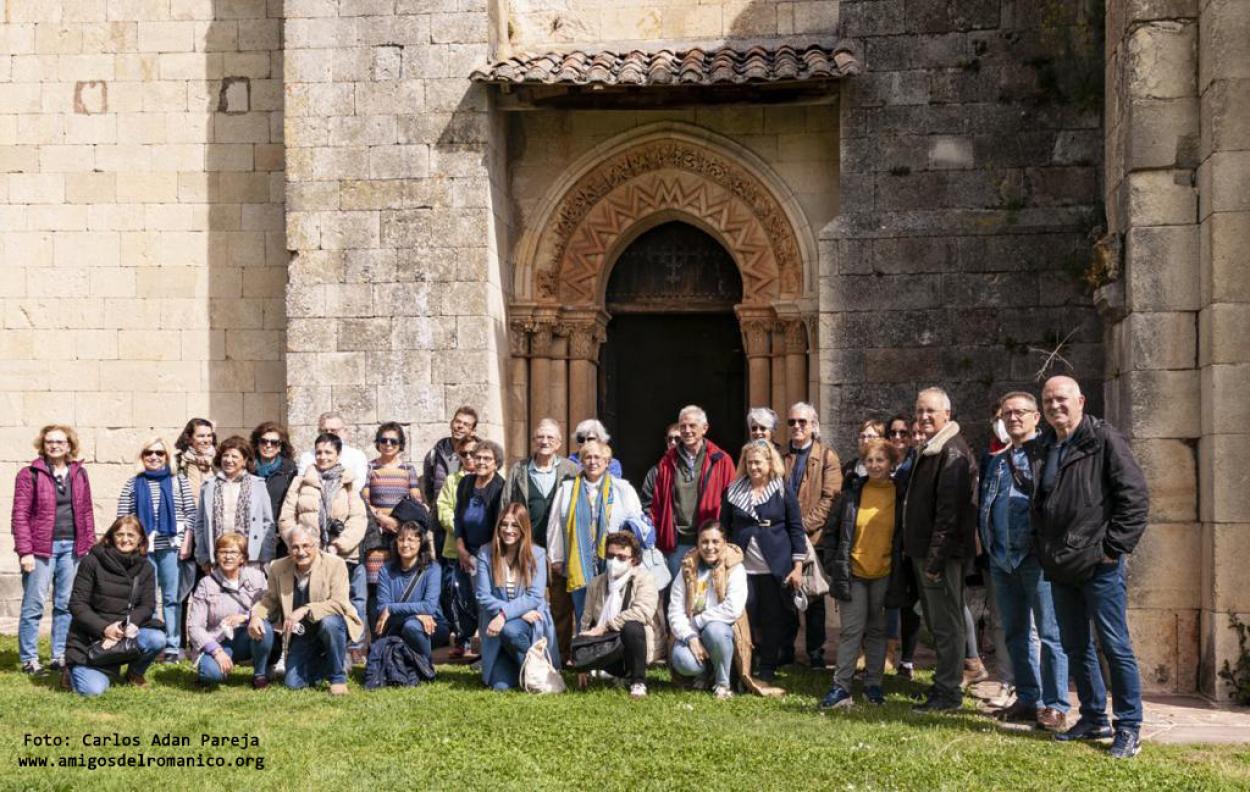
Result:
[[267, 469], [165, 522]]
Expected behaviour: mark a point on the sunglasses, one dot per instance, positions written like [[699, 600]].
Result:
[[387, 441], [152, 452], [581, 438], [797, 422], [270, 441], [674, 439], [898, 433]]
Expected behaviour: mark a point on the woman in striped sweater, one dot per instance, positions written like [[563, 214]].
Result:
[[164, 503]]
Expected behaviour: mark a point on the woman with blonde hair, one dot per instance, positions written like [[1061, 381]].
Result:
[[53, 528], [217, 619], [164, 503], [763, 519], [511, 588]]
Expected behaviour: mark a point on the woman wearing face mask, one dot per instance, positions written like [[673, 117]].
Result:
[[409, 586], [624, 600], [863, 557], [511, 589], [766, 523], [871, 429], [218, 616], [585, 510], [196, 448], [114, 597], [275, 464], [707, 615], [235, 501], [165, 505], [53, 527]]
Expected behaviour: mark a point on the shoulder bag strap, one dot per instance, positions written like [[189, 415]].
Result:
[[412, 585], [130, 601]]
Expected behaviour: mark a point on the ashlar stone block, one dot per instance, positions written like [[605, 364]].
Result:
[[1224, 478], [1224, 274], [1226, 398], [1162, 60], [1160, 340], [1161, 404], [1161, 198]]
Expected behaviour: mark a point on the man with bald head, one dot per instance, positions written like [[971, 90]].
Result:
[[1088, 512]]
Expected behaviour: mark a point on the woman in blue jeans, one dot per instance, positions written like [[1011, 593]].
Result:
[[511, 588], [409, 586], [218, 615], [164, 503], [707, 611], [114, 598]]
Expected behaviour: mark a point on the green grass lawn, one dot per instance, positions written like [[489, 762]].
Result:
[[453, 734]]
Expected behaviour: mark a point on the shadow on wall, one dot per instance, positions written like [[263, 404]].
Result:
[[243, 184]]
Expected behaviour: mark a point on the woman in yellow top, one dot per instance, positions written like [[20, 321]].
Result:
[[860, 557]]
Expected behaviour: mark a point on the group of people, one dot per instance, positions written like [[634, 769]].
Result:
[[298, 565]]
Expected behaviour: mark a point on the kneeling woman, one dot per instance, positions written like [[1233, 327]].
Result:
[[863, 557], [408, 592], [511, 588], [217, 618], [114, 597], [707, 614], [624, 600]]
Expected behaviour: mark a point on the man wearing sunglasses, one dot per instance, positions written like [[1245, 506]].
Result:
[[814, 475]]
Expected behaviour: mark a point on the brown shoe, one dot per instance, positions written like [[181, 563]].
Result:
[[1052, 719], [136, 680], [974, 672], [1018, 712]]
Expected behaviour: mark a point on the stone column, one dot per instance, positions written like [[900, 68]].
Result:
[[518, 387], [558, 407], [778, 360], [540, 369], [796, 362], [756, 327], [586, 333]]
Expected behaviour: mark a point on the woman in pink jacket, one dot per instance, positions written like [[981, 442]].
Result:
[[53, 527]]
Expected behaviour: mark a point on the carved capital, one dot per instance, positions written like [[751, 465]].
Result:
[[542, 336], [519, 336], [755, 334], [584, 340], [796, 336]]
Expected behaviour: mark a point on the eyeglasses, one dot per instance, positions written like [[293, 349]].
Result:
[[897, 433], [621, 556], [270, 441], [1017, 413], [154, 452], [55, 442], [228, 554], [797, 422], [581, 438], [673, 439], [480, 458], [868, 436], [387, 441]]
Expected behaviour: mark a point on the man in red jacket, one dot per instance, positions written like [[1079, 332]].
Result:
[[690, 481]]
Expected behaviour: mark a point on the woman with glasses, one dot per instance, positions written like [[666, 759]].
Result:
[[591, 429], [235, 501], [391, 478], [275, 464], [53, 528], [195, 450], [902, 623], [761, 423], [510, 583], [762, 517], [164, 503], [586, 509], [871, 429], [218, 616], [479, 498]]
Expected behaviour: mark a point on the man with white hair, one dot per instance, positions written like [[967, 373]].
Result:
[[689, 484], [814, 475], [939, 524], [350, 457], [533, 483], [1089, 511]]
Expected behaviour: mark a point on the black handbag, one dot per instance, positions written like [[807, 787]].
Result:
[[596, 651], [122, 652], [410, 510]]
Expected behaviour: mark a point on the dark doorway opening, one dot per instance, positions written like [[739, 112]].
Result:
[[673, 340]]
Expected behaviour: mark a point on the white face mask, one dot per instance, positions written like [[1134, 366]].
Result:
[[617, 567], [1000, 431]]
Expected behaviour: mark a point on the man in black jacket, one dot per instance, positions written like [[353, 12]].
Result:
[[939, 521], [1088, 511]]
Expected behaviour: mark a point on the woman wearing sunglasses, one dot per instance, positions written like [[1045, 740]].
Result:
[[275, 464], [391, 479], [164, 503]]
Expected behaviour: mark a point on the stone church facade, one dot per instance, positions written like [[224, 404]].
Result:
[[247, 209]]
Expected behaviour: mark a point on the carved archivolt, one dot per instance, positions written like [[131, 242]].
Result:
[[682, 179]]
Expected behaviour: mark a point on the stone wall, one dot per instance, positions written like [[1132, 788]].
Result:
[[538, 25], [141, 195], [394, 217], [971, 149]]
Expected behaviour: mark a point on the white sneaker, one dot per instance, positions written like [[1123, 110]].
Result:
[[637, 690], [279, 668], [722, 692]]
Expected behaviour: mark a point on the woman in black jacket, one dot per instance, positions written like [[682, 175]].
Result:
[[763, 518], [275, 463], [478, 501], [114, 597]]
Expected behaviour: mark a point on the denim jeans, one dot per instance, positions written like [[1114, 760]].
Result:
[[468, 606], [59, 571], [718, 639], [89, 681], [165, 564], [414, 634], [359, 596], [515, 639], [320, 653], [241, 647], [579, 605], [1024, 600], [1101, 600]]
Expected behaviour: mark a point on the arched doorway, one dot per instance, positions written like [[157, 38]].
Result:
[[672, 340]]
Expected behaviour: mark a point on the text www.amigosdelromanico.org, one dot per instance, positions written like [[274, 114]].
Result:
[[84, 759], [197, 760]]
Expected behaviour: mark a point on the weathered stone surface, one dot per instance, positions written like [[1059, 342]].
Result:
[[1225, 406], [1161, 340], [1158, 404], [1222, 332], [1157, 198], [1162, 60], [1166, 545], [1171, 469], [1224, 276], [1225, 42], [1161, 263], [1224, 478]]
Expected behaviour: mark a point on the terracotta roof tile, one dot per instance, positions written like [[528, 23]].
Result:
[[725, 65]]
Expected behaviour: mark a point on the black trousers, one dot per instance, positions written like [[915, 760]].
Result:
[[768, 615], [633, 664], [813, 629]]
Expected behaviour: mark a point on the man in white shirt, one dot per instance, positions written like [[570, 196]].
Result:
[[351, 457]]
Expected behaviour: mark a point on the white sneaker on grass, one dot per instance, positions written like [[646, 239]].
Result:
[[722, 692], [637, 690]]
